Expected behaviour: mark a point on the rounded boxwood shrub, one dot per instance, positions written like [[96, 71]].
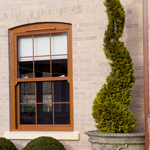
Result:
[[6, 144], [44, 143]]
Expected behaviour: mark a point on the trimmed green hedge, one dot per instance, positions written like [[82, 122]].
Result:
[[44, 143], [6, 144]]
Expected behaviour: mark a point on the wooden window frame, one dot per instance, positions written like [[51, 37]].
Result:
[[36, 29]]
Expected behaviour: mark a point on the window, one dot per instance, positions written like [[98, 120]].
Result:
[[41, 77]]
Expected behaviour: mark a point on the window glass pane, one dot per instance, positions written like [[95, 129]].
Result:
[[42, 66], [27, 92], [27, 114], [59, 57], [61, 114], [44, 114], [25, 67], [25, 46], [44, 92], [41, 45], [61, 91], [59, 66], [59, 43]]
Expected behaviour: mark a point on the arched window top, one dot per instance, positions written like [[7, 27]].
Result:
[[42, 26]]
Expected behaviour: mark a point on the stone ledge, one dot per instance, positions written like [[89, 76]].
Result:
[[22, 135]]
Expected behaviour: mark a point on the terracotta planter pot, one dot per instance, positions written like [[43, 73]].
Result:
[[116, 141]]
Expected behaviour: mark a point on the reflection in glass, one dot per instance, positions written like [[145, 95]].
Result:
[[59, 66], [24, 46], [42, 66], [61, 114], [61, 91], [44, 92], [25, 67], [27, 114], [59, 43], [27, 92], [41, 45], [44, 114]]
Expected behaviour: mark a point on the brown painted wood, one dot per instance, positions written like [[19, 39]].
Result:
[[33, 55], [18, 104], [71, 79], [35, 29], [43, 56], [59, 26], [53, 101], [44, 128], [70, 76], [146, 69], [35, 104], [50, 58], [47, 103], [41, 79], [15, 60], [13, 105]]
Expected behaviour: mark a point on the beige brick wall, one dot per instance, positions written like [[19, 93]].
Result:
[[90, 67]]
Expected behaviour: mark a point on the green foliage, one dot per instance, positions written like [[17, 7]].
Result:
[[44, 143], [111, 106], [6, 144]]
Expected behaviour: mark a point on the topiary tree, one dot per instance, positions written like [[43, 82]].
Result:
[[44, 143], [6, 144], [111, 106]]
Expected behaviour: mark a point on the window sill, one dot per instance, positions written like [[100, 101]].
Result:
[[23, 135]]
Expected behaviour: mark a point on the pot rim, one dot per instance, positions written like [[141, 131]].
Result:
[[96, 133]]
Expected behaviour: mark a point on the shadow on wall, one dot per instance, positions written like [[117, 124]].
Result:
[[133, 38], [21, 144]]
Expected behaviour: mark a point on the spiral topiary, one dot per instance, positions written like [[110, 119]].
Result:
[[6, 144], [111, 106], [44, 143]]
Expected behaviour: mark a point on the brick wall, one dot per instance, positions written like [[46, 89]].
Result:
[[90, 67]]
